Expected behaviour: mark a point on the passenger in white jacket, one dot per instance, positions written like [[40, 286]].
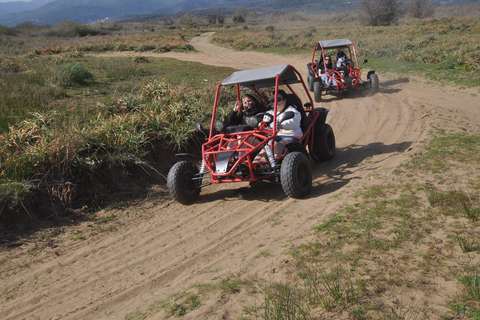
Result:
[[289, 130]]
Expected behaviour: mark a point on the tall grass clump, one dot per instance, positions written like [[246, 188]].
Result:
[[467, 205], [74, 73], [468, 302], [328, 289], [472, 283], [51, 149], [282, 301], [23, 90]]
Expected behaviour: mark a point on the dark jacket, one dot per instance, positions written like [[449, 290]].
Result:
[[236, 118]]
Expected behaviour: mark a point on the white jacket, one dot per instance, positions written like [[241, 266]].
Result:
[[290, 127]]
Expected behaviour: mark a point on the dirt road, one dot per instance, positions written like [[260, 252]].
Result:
[[160, 247]]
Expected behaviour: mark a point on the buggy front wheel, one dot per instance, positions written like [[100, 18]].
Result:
[[374, 83], [296, 175], [317, 90], [324, 144], [310, 82], [181, 185]]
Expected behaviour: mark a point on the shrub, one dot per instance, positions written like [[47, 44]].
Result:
[[74, 73], [7, 31], [69, 28]]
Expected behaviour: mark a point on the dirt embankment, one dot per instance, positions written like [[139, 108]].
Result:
[[160, 247]]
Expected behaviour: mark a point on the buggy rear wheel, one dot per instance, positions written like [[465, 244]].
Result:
[[310, 81], [317, 90], [324, 144], [374, 83], [181, 186], [296, 175]]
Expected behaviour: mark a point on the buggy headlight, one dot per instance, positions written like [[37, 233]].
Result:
[[219, 126], [252, 122]]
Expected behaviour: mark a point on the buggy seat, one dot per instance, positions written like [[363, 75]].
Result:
[[294, 100]]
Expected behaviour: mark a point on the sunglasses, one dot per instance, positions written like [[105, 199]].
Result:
[[327, 59], [280, 99]]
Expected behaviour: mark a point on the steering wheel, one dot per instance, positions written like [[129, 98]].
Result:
[[261, 115]]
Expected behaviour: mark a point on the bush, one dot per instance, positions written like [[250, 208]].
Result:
[[381, 12], [74, 73], [7, 31], [69, 28]]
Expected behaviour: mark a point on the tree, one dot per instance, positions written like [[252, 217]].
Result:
[[381, 12], [212, 18], [239, 15], [186, 19], [420, 8]]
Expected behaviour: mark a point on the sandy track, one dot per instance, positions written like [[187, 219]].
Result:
[[161, 247]]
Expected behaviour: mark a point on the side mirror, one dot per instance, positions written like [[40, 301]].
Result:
[[199, 128]]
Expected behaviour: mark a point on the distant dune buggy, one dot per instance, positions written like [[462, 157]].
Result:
[[345, 74], [227, 154]]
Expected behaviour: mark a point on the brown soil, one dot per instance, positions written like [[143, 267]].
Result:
[[158, 247]]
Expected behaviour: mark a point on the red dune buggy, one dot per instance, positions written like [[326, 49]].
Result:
[[343, 74], [228, 153]]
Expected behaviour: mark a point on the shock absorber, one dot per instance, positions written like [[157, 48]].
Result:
[[270, 156], [203, 168]]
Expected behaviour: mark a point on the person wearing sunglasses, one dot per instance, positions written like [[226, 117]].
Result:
[[327, 64], [323, 70], [289, 130]]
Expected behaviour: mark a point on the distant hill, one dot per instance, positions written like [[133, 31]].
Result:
[[21, 6], [84, 11]]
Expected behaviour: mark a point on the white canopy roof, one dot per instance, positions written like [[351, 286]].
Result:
[[334, 43], [262, 77]]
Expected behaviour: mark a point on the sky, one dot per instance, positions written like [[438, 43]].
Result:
[[14, 0]]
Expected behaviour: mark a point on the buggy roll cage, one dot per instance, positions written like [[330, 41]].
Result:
[[335, 44], [276, 76]]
